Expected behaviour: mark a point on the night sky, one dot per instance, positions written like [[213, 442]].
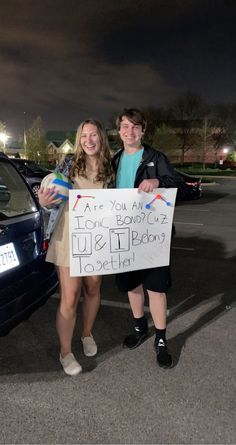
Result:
[[73, 59]]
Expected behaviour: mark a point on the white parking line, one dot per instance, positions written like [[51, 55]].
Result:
[[192, 209], [188, 223], [183, 248], [121, 305], [181, 303], [109, 303]]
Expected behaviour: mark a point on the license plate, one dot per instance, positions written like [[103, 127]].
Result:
[[8, 257]]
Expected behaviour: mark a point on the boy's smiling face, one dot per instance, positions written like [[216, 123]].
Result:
[[130, 133]]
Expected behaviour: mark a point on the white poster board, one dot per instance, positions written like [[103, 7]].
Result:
[[119, 230]]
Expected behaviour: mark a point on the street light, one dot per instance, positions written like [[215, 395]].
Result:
[[24, 137], [4, 138]]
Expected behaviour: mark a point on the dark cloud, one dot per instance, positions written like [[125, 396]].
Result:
[[69, 60]]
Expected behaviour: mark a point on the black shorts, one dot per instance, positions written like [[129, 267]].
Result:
[[157, 279]]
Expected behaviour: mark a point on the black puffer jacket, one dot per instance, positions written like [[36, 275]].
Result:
[[153, 165]]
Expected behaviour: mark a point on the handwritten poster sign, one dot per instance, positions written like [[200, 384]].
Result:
[[119, 230]]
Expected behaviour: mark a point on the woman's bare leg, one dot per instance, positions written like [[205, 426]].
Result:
[[91, 303], [70, 288]]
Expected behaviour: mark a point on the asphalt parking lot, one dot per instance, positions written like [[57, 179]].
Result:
[[122, 397]]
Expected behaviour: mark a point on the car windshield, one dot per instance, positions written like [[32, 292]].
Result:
[[15, 197]]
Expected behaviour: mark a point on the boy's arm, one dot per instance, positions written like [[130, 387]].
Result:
[[166, 174]]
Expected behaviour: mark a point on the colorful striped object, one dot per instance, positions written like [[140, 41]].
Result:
[[61, 183]]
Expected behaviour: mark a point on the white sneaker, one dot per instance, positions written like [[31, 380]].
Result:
[[70, 364], [89, 346]]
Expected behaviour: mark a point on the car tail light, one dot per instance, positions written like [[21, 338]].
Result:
[[192, 183], [45, 245]]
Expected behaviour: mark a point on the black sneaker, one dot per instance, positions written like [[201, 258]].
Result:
[[164, 359], [134, 340]]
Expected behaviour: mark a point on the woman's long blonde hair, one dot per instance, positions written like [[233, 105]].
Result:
[[105, 172]]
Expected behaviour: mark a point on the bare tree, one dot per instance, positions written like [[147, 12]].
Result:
[[187, 111], [225, 122], [207, 133], [165, 140], [155, 117]]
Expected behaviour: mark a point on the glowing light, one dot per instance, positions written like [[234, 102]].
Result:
[[4, 138]]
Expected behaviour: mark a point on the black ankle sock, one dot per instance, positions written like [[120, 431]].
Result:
[[141, 323], [160, 335]]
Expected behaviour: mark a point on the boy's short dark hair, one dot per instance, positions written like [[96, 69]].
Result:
[[133, 115]]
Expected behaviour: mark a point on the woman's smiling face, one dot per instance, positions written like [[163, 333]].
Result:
[[89, 140]]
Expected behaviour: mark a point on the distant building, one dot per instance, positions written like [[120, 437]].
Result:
[[59, 145], [57, 153]]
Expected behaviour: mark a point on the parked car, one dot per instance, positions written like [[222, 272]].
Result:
[[191, 188], [32, 172], [26, 279], [228, 164]]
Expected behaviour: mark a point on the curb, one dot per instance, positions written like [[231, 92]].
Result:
[[219, 177], [209, 184]]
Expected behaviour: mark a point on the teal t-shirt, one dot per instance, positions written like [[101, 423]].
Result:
[[127, 169]]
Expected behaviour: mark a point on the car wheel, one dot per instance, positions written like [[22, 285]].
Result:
[[35, 189]]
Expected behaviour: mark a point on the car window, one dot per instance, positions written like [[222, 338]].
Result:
[[22, 168], [35, 167], [15, 197], [29, 167]]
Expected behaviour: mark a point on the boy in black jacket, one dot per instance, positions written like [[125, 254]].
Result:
[[140, 166]]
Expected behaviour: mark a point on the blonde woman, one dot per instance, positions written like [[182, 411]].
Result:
[[89, 168]]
